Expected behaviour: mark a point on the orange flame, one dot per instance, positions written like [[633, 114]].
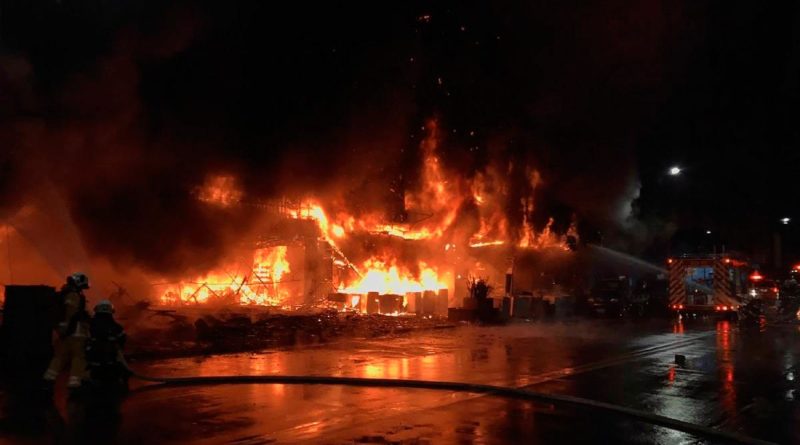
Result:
[[259, 285], [389, 278], [220, 190]]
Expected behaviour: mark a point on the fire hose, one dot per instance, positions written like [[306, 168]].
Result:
[[475, 388]]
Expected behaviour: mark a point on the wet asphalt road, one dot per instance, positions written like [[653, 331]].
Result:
[[739, 380]]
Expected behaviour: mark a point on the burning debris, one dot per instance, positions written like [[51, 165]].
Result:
[[260, 284]]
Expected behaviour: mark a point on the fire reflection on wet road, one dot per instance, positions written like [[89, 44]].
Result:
[[734, 380]]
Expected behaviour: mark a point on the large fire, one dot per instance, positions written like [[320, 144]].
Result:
[[443, 237], [259, 284], [393, 279]]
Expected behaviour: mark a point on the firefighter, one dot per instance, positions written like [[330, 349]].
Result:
[[72, 329], [790, 286], [752, 311], [104, 349], [790, 298]]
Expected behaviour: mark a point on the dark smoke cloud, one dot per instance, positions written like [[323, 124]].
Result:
[[85, 130], [127, 107]]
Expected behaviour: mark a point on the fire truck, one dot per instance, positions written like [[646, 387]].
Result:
[[710, 283]]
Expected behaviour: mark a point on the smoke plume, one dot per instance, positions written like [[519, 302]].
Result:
[[122, 111]]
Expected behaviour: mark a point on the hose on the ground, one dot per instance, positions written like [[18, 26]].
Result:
[[556, 399]]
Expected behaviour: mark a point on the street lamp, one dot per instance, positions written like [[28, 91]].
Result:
[[785, 220], [675, 171]]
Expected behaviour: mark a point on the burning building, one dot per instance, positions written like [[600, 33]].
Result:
[[317, 250]]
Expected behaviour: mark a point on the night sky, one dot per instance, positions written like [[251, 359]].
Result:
[[128, 104]]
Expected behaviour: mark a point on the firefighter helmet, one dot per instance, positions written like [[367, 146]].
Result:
[[104, 307], [79, 280]]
